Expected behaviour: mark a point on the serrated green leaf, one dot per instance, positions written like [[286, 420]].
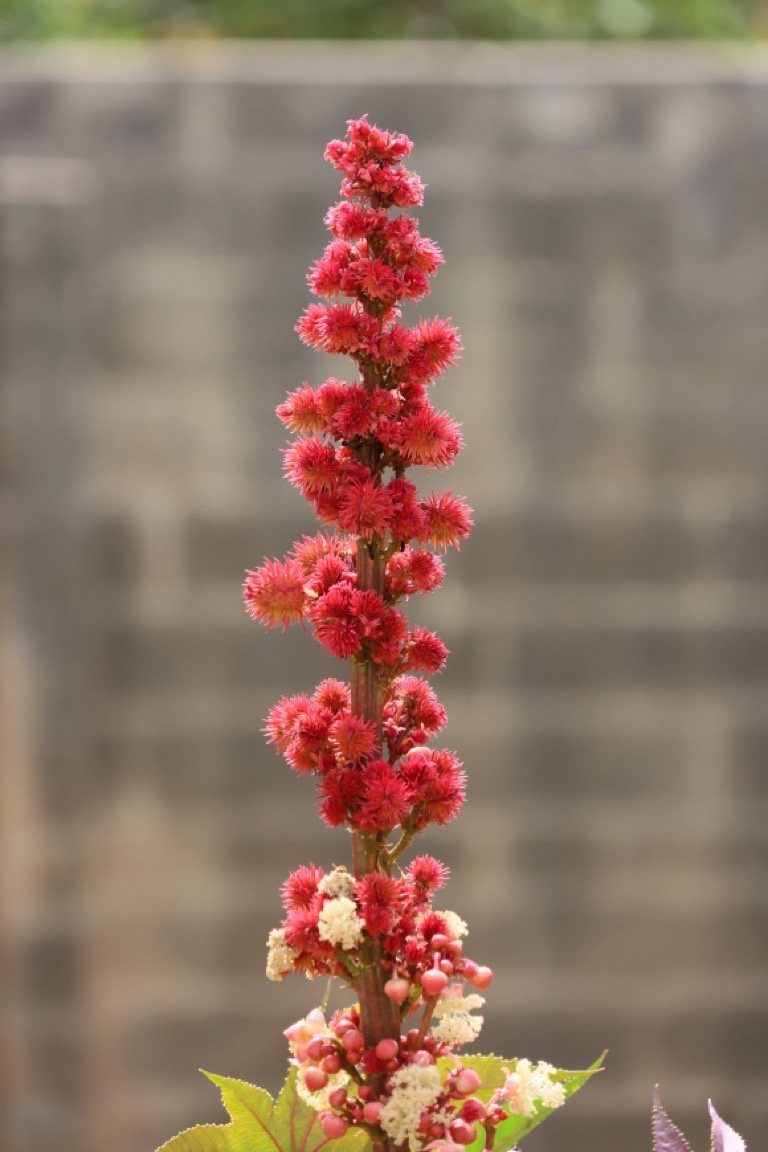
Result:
[[260, 1124], [509, 1131], [296, 1125]]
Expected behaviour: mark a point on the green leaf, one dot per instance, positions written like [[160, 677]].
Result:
[[514, 1127], [260, 1124]]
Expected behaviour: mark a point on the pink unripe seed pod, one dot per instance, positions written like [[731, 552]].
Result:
[[334, 1126], [397, 989], [331, 1064], [438, 942], [482, 978], [315, 1079], [469, 969], [467, 1082], [315, 1048], [354, 1056], [422, 1058], [372, 1111], [387, 1049], [473, 1110], [433, 982], [447, 967], [337, 1098], [352, 1039], [462, 1132]]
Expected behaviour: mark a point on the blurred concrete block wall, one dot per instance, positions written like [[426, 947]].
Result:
[[604, 214]]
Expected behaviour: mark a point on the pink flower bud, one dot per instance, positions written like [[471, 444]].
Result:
[[337, 1098], [397, 989], [315, 1048], [482, 978], [331, 1064], [342, 1025], [315, 1079], [473, 1110], [462, 1132], [467, 1082], [372, 1111], [433, 982], [387, 1049], [352, 1039], [334, 1126], [438, 942]]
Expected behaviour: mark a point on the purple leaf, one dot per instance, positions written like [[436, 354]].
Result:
[[667, 1137], [724, 1139]]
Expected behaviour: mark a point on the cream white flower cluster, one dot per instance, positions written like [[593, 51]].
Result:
[[455, 1023], [455, 923], [414, 1089], [280, 955], [337, 882], [339, 924], [530, 1084]]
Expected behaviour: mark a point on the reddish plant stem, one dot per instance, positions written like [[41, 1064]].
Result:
[[380, 1017]]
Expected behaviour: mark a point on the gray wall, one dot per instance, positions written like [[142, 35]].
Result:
[[604, 214]]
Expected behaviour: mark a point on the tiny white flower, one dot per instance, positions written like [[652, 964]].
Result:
[[455, 923], [339, 882], [452, 1002], [528, 1084], [455, 1025], [339, 923], [280, 956], [414, 1089], [454, 1031]]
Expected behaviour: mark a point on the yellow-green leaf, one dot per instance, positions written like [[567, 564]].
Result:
[[514, 1127], [260, 1124]]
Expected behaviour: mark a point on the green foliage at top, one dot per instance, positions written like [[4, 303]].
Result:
[[384, 19]]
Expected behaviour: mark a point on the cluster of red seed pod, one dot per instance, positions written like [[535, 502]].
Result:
[[421, 949], [368, 744]]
